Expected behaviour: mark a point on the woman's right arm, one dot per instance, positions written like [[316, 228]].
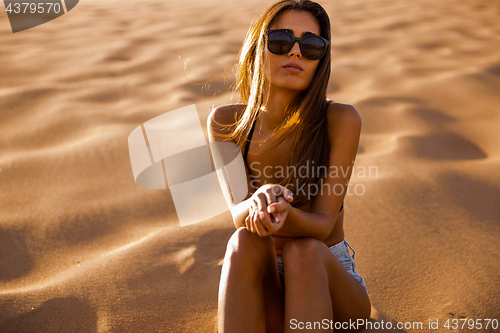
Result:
[[254, 201], [240, 212], [224, 115]]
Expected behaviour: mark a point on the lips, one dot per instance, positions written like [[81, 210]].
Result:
[[293, 67]]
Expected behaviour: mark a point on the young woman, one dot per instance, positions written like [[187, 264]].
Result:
[[288, 265]]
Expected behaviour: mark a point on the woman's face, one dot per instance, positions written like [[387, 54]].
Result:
[[278, 71]]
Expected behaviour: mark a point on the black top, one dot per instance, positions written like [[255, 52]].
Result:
[[248, 140], [247, 145]]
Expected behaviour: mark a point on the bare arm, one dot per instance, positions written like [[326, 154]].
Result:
[[240, 213], [344, 124], [224, 115]]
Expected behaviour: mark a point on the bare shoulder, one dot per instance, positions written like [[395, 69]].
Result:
[[344, 114], [225, 115], [344, 126]]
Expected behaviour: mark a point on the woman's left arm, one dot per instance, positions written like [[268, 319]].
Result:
[[344, 128]]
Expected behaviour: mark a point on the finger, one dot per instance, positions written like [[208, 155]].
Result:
[[264, 215], [255, 217], [251, 225], [277, 207], [267, 220], [288, 195], [278, 223], [261, 230], [271, 195], [269, 225], [261, 202], [251, 222], [282, 201], [252, 210], [273, 208]]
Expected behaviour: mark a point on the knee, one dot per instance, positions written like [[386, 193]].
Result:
[[303, 254], [245, 246]]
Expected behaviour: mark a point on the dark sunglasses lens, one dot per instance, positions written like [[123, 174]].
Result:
[[279, 42], [313, 47]]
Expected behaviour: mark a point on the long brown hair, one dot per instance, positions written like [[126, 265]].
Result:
[[307, 120]]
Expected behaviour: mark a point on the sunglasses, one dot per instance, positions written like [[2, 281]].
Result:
[[280, 41]]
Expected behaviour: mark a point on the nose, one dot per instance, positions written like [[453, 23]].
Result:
[[295, 49]]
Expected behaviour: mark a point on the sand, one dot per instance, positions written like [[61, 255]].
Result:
[[84, 249]]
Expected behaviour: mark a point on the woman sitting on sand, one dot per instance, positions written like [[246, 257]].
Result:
[[290, 227]]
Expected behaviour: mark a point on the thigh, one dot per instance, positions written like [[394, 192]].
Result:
[[350, 299], [251, 259], [274, 300], [348, 296]]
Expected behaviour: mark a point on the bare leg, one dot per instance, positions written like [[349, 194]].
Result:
[[250, 292], [318, 287]]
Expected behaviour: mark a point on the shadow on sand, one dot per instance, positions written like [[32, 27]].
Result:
[[56, 315]]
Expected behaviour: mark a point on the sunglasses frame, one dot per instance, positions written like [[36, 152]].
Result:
[[299, 40]]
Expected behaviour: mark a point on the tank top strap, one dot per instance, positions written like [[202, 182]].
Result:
[[247, 145]]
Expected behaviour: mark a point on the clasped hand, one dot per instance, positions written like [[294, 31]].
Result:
[[268, 209]]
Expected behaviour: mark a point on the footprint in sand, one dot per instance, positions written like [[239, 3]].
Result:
[[15, 259], [383, 118], [384, 115], [494, 70], [431, 117], [443, 146]]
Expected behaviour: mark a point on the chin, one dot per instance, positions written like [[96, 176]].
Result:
[[288, 85], [297, 88]]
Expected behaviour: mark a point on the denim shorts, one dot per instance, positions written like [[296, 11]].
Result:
[[341, 251]]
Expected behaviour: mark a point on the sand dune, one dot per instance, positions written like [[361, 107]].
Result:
[[82, 248]]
